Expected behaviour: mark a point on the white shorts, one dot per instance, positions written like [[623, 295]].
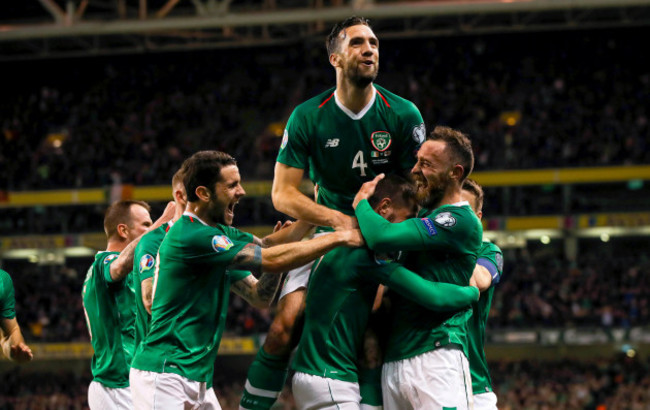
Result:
[[169, 391], [432, 380], [315, 392], [101, 397], [298, 278], [485, 401]]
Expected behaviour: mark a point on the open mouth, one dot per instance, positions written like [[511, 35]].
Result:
[[231, 208]]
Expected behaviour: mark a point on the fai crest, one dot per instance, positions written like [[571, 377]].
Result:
[[221, 243], [380, 140], [445, 219], [146, 262], [419, 133]]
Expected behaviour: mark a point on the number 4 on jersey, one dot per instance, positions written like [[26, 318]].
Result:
[[358, 162]]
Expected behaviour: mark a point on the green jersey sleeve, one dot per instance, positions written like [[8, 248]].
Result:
[[491, 258], [294, 149], [214, 246], [7, 298], [414, 135], [436, 296], [236, 275], [105, 266]]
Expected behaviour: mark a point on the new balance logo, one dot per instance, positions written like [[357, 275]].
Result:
[[332, 143]]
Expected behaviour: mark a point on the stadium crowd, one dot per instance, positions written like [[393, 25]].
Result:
[[133, 120]]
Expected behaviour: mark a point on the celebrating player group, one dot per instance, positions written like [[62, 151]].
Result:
[[394, 218]]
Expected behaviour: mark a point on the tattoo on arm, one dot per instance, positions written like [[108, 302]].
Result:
[[267, 286], [245, 288], [249, 258]]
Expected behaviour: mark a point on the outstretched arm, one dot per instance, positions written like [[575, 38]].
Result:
[[12, 341], [257, 292], [288, 199], [281, 258], [437, 296]]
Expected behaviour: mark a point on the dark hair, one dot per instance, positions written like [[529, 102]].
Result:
[[475, 189], [399, 189], [459, 146], [120, 213], [332, 41], [203, 169]]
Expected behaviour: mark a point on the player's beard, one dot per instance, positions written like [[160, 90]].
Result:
[[429, 196], [216, 211], [360, 80]]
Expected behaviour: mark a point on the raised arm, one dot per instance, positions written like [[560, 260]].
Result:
[[281, 258], [123, 265], [437, 296], [288, 199]]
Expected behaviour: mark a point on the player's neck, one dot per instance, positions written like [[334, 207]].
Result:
[[114, 245], [352, 97], [452, 196], [201, 212]]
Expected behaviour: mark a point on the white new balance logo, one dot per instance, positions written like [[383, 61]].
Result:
[[332, 142]]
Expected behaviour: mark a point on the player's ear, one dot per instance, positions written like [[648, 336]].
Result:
[[202, 193], [384, 206], [122, 231], [335, 60], [457, 172]]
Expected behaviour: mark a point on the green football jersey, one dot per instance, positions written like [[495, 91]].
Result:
[[7, 299], [491, 257], [446, 244], [191, 290], [342, 289], [343, 150], [110, 315], [144, 261]]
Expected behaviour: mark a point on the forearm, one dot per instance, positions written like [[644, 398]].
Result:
[[147, 293], [436, 296], [10, 336], [482, 278], [289, 200], [293, 233], [267, 286], [282, 258], [383, 236], [123, 265]]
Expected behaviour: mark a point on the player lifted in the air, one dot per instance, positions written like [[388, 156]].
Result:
[[345, 136]]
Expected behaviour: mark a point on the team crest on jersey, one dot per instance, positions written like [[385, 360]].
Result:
[[110, 258], [419, 133], [445, 219], [428, 225], [381, 140], [146, 262], [285, 139], [221, 243], [386, 258]]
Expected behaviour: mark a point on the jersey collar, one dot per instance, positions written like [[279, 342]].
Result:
[[361, 113], [190, 214], [461, 203]]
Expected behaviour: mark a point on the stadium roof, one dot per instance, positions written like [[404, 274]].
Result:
[[60, 28]]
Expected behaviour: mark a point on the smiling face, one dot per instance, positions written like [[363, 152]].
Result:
[[432, 173], [226, 194], [357, 55]]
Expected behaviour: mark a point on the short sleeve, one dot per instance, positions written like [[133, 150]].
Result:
[[414, 134], [105, 266], [491, 258], [7, 298], [217, 247], [294, 149], [145, 263]]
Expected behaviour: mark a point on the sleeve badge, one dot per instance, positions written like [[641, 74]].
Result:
[[146, 262], [445, 219], [221, 243]]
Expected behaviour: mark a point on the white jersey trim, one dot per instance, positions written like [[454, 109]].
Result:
[[260, 392], [361, 113], [188, 213], [461, 203]]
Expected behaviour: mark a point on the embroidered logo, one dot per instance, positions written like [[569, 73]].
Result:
[[428, 225], [380, 140], [221, 243], [110, 258], [419, 133], [146, 262], [332, 143], [285, 139], [445, 219]]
